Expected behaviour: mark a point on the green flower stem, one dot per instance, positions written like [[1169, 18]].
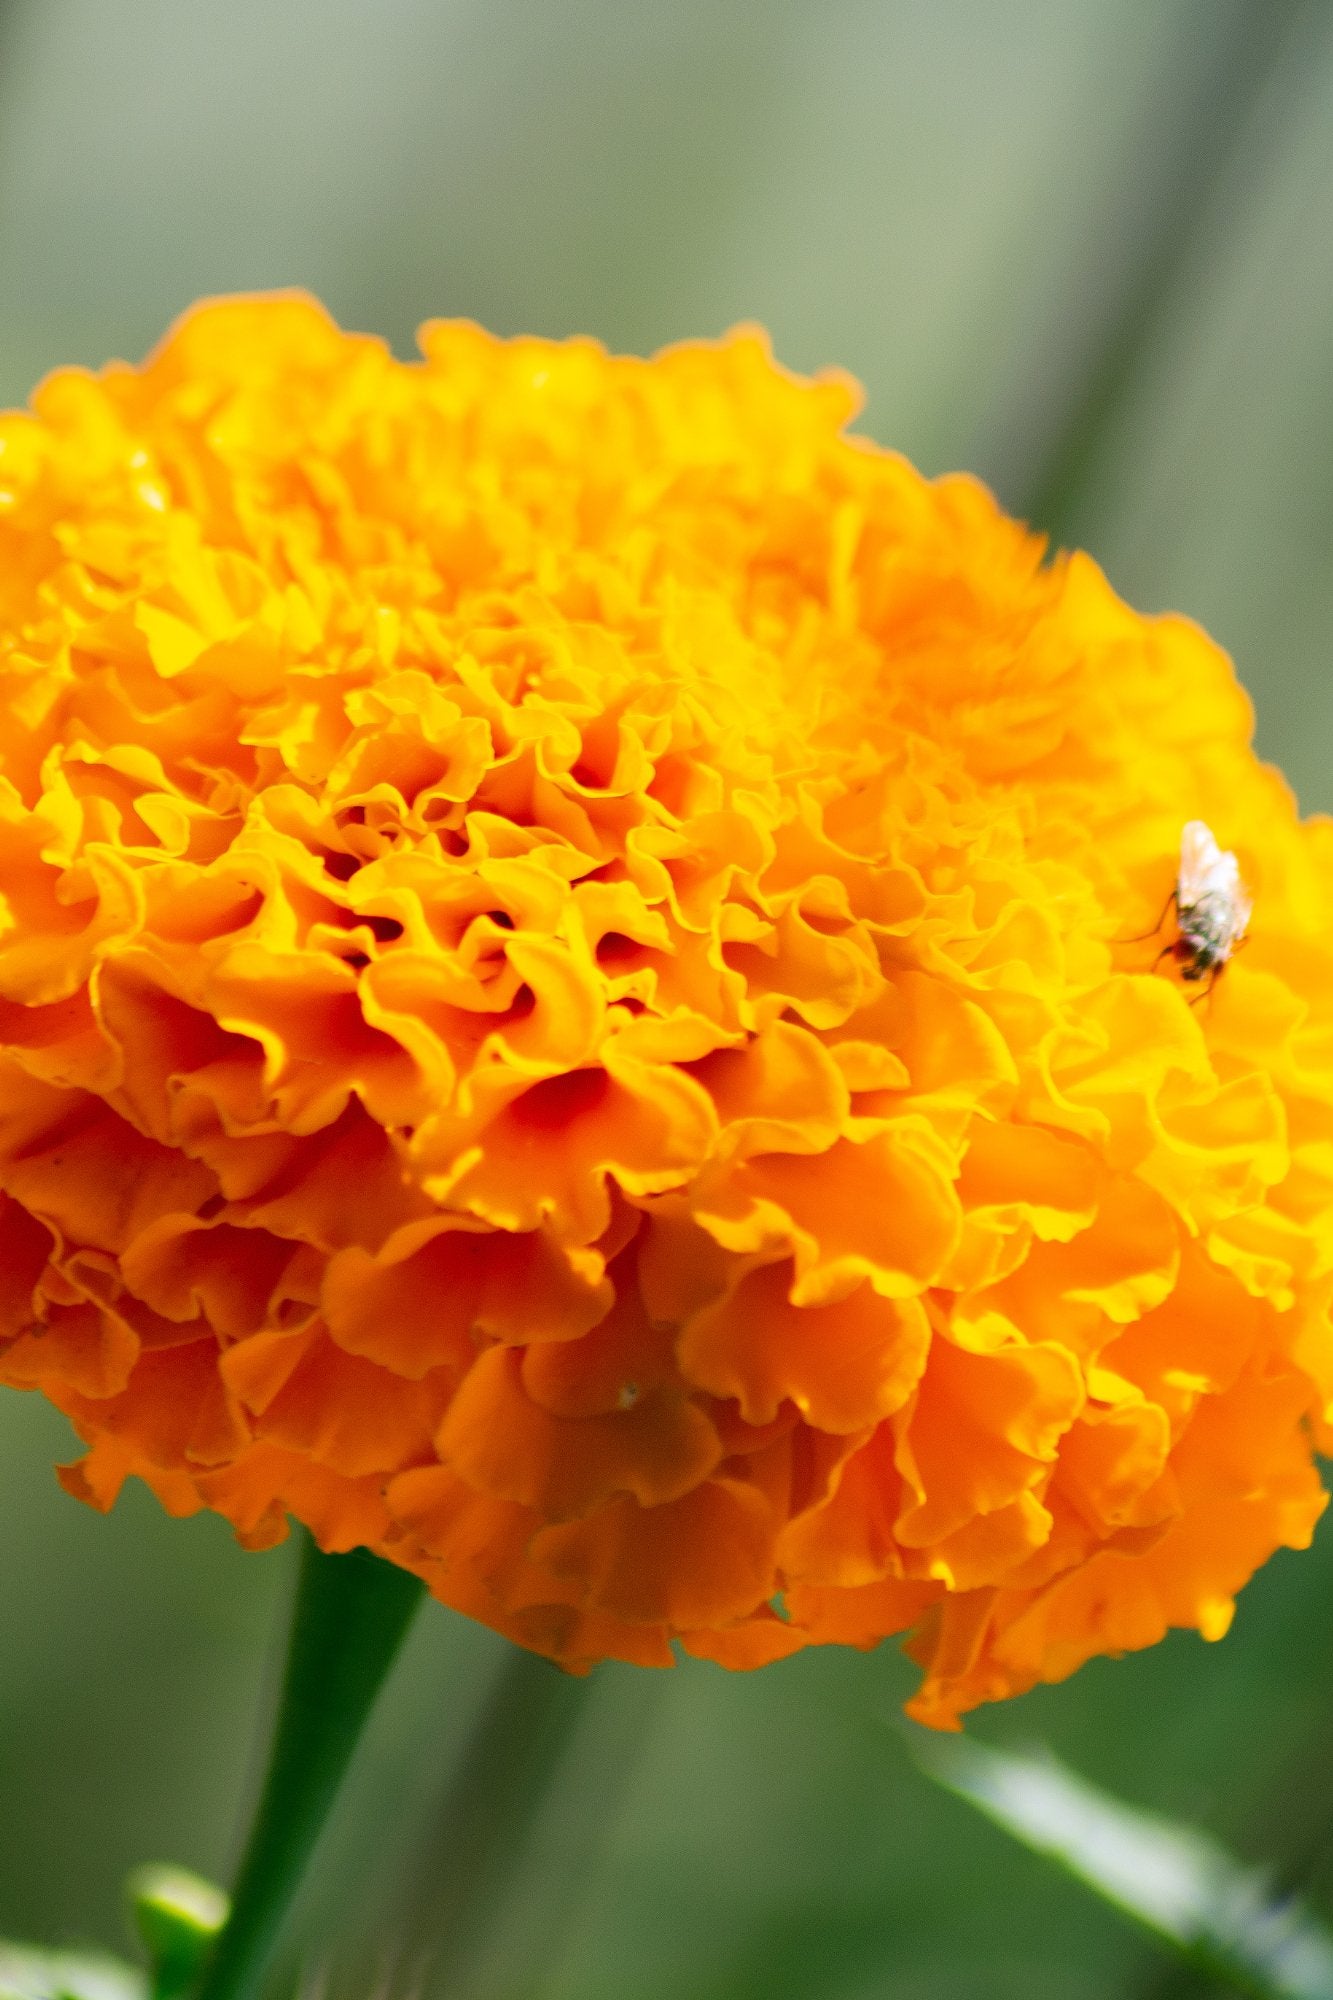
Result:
[[479, 1834], [351, 1614]]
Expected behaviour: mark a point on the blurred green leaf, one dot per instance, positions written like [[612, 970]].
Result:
[[177, 1915], [1174, 1880], [29, 1974]]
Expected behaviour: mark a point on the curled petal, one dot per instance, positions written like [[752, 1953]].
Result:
[[543, 1155], [625, 1557], [432, 1290], [844, 1366], [497, 1438]]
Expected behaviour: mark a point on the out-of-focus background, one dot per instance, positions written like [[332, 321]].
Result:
[[1082, 247]]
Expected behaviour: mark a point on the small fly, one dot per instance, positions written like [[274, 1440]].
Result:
[[1212, 907]]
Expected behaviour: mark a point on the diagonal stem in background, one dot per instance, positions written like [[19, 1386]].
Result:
[[1208, 132], [477, 1841]]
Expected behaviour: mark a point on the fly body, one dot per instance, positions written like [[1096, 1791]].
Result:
[[1212, 905]]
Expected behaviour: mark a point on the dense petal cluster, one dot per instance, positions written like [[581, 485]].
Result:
[[569, 1012]]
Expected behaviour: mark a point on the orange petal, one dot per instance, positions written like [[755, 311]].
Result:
[[501, 1441], [844, 1366]]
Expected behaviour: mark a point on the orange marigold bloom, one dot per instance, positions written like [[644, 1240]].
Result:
[[566, 1011]]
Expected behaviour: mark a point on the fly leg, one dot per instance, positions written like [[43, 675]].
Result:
[[1143, 936]]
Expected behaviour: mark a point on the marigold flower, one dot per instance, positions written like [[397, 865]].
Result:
[[569, 1012]]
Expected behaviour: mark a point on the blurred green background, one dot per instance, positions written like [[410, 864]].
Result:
[[1079, 246]]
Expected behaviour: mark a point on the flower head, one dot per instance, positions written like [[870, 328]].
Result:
[[565, 1012]]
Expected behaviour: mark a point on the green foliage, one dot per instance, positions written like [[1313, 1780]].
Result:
[[29, 1974], [177, 1915], [1174, 1880]]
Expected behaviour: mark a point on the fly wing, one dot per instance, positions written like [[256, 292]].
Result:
[[1203, 869], [1211, 877], [1241, 907]]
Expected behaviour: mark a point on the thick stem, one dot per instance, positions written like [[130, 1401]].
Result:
[[350, 1617]]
